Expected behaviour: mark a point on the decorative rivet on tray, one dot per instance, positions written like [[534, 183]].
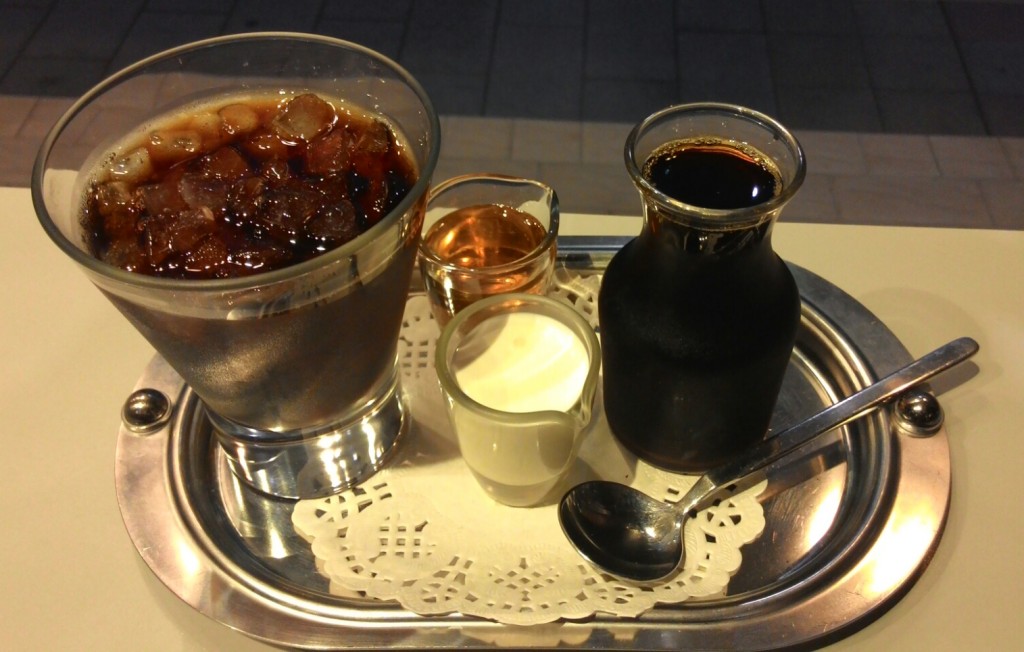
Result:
[[146, 411], [918, 413]]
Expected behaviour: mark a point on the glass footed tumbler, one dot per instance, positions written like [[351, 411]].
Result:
[[297, 366], [698, 313]]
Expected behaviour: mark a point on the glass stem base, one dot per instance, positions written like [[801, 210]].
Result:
[[319, 462]]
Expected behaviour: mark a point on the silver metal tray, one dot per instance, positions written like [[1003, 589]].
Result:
[[852, 520]]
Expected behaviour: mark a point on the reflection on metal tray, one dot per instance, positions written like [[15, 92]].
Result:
[[852, 520]]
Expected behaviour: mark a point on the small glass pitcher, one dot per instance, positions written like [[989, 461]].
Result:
[[487, 234], [519, 375]]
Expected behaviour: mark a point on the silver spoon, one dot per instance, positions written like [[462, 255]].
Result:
[[632, 536]]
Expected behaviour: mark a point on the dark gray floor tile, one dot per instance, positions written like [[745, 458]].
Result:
[[455, 94], [530, 49], [720, 16], [922, 18], [537, 72], [356, 10], [630, 41], [726, 68], [52, 76], [925, 63], [809, 16], [155, 32], [996, 67], [1003, 114], [384, 37], [929, 112], [17, 26], [973, 21], [220, 7], [554, 13], [828, 109], [273, 16], [607, 100], [818, 61], [37, 4], [79, 29], [449, 37]]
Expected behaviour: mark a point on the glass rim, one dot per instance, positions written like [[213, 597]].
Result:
[[261, 279], [722, 217], [518, 302], [546, 244]]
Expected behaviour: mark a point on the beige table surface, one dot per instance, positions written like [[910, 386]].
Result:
[[72, 580]]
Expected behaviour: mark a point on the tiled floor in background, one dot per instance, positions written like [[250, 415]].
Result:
[[910, 110], [854, 178]]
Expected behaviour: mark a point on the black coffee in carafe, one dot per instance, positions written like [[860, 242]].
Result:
[[698, 314]]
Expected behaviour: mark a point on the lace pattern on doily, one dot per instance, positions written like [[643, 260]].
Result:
[[424, 534]]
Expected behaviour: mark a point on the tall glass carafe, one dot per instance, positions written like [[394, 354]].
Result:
[[698, 314]]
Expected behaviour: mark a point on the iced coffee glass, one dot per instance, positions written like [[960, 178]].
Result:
[[296, 367]]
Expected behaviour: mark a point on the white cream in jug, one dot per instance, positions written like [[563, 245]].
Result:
[[522, 362]]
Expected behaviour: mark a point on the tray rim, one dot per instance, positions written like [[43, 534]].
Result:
[[270, 613]]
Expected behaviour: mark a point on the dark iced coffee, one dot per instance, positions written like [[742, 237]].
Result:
[[244, 186]]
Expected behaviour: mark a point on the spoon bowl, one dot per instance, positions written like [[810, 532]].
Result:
[[617, 527], [632, 536]]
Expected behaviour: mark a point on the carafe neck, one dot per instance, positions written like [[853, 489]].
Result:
[[685, 234]]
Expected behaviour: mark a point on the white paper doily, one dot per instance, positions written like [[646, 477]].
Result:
[[423, 533]]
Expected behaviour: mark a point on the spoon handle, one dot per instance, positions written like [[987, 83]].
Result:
[[838, 414]]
